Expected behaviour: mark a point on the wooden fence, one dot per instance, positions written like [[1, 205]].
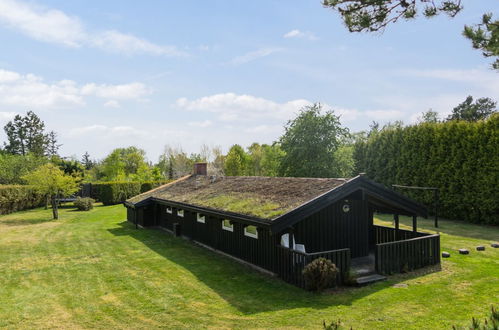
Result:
[[407, 255], [387, 234], [290, 263]]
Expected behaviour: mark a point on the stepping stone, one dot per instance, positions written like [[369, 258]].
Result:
[[364, 280], [480, 248], [464, 251], [445, 255], [495, 245], [400, 285]]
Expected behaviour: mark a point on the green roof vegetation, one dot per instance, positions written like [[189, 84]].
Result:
[[244, 204]]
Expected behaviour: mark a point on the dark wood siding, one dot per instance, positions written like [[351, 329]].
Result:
[[331, 228]]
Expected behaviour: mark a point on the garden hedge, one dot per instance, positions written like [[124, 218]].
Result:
[[458, 157], [17, 198], [110, 193]]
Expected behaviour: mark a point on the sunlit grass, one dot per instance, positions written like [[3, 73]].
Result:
[[94, 270]]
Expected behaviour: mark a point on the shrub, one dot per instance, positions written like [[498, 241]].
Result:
[[16, 198], [320, 274], [84, 204]]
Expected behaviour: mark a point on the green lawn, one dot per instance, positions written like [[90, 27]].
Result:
[[94, 270]]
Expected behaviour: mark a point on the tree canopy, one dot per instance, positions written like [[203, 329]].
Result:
[[51, 181], [310, 142], [468, 110], [26, 134], [375, 15]]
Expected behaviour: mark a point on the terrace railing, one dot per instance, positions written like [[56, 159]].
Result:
[[386, 234], [290, 263], [407, 254]]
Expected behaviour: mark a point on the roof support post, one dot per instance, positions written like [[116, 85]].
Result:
[[436, 197], [291, 238], [414, 223], [397, 227]]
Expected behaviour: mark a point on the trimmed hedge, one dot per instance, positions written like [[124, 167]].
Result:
[[110, 193], [17, 198], [460, 158]]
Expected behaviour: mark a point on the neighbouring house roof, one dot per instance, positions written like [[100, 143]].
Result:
[[274, 201], [261, 197]]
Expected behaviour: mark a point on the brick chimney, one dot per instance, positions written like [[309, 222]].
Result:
[[200, 169]]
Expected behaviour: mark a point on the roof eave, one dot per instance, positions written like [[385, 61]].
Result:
[[340, 192], [214, 212]]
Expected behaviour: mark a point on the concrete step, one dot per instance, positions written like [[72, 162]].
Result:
[[365, 280]]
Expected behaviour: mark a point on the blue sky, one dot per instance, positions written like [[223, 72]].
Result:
[[105, 74]]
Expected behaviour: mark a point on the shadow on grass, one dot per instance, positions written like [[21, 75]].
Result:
[[244, 288]]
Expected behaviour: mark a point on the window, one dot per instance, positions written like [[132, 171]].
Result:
[[180, 213], [201, 218], [227, 225], [169, 210], [251, 231]]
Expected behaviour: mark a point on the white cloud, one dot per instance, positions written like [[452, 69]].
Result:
[[118, 42], [385, 115], [112, 104], [121, 92], [29, 90], [107, 132], [201, 124], [264, 129], [300, 34], [231, 107], [254, 55], [6, 116], [482, 79], [55, 26]]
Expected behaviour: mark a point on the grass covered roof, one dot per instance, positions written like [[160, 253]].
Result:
[[262, 197]]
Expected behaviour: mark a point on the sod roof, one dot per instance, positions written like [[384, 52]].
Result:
[[262, 197]]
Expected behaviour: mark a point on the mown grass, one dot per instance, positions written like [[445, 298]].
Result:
[[94, 270]]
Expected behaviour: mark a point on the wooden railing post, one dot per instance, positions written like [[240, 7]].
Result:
[[415, 223], [397, 226]]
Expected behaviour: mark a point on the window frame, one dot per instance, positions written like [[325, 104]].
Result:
[[169, 210], [231, 228], [180, 213], [248, 234], [201, 218]]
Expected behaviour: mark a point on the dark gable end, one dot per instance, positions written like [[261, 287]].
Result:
[[380, 198]]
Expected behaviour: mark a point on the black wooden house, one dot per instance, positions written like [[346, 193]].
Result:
[[281, 224]]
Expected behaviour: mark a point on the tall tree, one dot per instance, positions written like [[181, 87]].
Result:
[[485, 36], [310, 142], [271, 159], [86, 161], [429, 116], [14, 167], [51, 181], [26, 135], [236, 161], [375, 15], [468, 110], [52, 147], [126, 164]]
